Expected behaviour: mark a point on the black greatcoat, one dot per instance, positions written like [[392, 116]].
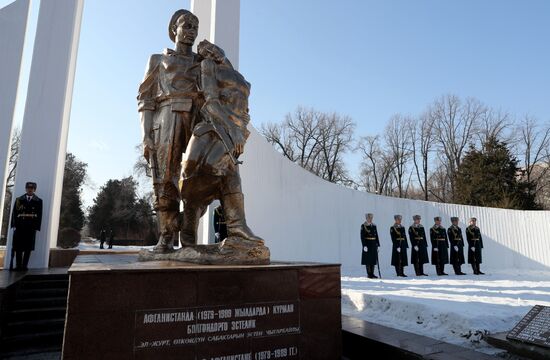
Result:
[[417, 237], [399, 240], [369, 238], [438, 237], [26, 219], [473, 235], [455, 238]]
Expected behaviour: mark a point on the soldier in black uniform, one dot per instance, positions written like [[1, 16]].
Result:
[[220, 227], [475, 244], [419, 252], [440, 246], [371, 243], [457, 246], [26, 219], [399, 249]]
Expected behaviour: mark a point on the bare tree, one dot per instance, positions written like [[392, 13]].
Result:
[[494, 123], [335, 139], [455, 122], [316, 141], [14, 156], [534, 151], [398, 140], [376, 166], [422, 142]]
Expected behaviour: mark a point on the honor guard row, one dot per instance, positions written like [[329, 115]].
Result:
[[442, 242]]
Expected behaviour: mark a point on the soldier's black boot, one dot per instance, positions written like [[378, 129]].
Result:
[[372, 272], [474, 268], [402, 271], [456, 268], [369, 272], [479, 270], [233, 208], [26, 257], [397, 272], [18, 260], [418, 269], [438, 270], [443, 270]]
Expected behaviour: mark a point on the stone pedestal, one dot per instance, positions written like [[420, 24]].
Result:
[[123, 309]]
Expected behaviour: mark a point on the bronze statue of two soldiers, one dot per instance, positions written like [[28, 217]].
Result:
[[194, 116]]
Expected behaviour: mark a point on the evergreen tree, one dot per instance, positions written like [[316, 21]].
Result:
[[118, 207], [491, 177], [71, 213]]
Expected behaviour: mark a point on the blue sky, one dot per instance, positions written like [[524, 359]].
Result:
[[365, 59]]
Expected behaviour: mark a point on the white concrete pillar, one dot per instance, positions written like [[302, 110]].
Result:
[[13, 26], [46, 119], [219, 22]]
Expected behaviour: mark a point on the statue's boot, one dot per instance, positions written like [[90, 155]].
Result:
[[167, 222], [190, 226], [233, 208]]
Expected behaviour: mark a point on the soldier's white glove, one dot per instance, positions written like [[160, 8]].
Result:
[[473, 248], [436, 249], [416, 248], [365, 249], [456, 248], [217, 235], [398, 250], [377, 249]]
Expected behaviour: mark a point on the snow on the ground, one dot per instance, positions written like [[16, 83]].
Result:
[[454, 309], [93, 244]]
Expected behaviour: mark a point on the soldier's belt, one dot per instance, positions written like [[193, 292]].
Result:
[[418, 238], [475, 239], [27, 215], [440, 239], [400, 239], [371, 238]]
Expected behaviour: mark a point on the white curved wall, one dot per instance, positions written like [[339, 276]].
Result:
[[303, 217]]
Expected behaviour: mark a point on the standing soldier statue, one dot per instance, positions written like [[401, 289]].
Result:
[[371, 243], [419, 244], [194, 116], [457, 246], [399, 249], [440, 246], [26, 219], [475, 244], [168, 102]]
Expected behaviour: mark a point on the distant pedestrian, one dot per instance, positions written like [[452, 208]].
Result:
[[102, 238], [371, 244], [111, 239], [220, 227], [475, 244], [399, 248]]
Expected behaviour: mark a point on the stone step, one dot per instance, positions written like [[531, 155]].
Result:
[[45, 284], [50, 340], [42, 293], [55, 312], [34, 326], [40, 303]]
